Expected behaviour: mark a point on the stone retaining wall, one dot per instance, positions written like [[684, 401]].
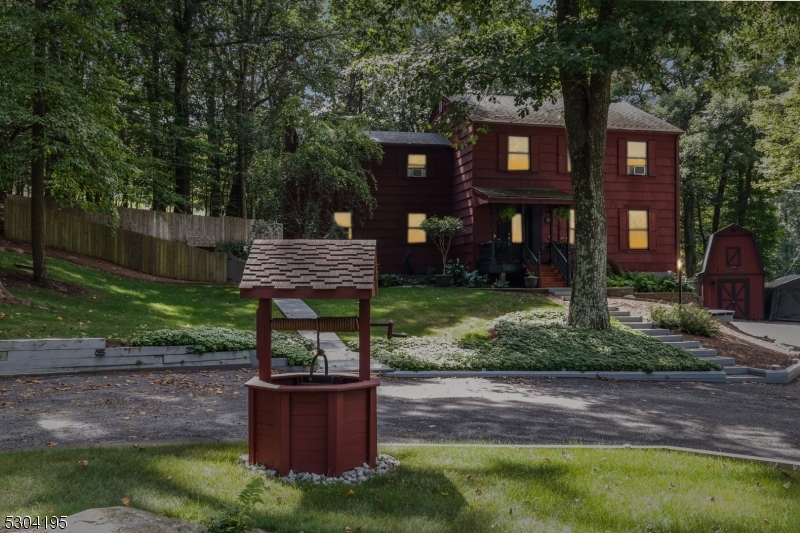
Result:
[[46, 356]]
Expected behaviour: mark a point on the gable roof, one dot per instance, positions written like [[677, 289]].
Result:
[[314, 268], [729, 230], [621, 115], [407, 137]]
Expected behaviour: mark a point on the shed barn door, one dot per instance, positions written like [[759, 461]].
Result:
[[734, 295]]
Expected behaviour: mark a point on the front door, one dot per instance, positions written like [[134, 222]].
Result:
[[734, 295], [532, 228]]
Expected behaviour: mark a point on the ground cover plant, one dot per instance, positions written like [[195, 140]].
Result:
[[423, 311], [689, 318], [115, 307], [458, 489], [288, 344], [537, 340]]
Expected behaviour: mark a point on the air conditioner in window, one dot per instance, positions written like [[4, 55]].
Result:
[[639, 171], [416, 172]]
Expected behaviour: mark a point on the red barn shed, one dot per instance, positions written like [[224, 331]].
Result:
[[732, 274]]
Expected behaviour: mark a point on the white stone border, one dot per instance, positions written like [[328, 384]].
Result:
[[787, 375], [713, 376], [61, 356]]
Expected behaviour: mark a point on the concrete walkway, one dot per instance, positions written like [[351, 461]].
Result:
[[787, 333], [340, 359]]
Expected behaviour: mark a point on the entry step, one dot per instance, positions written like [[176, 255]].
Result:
[[702, 352], [745, 378], [684, 344]]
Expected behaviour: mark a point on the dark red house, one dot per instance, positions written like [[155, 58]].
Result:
[[512, 190], [733, 275]]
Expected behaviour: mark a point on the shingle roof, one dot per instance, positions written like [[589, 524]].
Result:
[[316, 264], [621, 115], [407, 137], [503, 193]]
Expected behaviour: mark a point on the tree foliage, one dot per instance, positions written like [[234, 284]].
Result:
[[441, 231]]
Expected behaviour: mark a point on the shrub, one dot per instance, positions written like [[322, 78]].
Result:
[[689, 318], [296, 349], [389, 280], [457, 270], [239, 249], [646, 282], [475, 280]]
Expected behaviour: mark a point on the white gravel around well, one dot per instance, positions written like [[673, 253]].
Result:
[[384, 465]]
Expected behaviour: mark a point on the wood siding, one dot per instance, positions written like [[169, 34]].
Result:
[[397, 195], [127, 248]]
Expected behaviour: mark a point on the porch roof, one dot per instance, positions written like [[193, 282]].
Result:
[[503, 195]]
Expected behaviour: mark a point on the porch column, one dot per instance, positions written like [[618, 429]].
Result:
[[264, 339], [363, 339]]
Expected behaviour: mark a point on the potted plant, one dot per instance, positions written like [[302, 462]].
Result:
[[531, 279], [441, 231]]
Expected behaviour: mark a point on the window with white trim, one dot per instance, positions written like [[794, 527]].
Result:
[[417, 166], [637, 158], [638, 230], [344, 219], [415, 234], [519, 153]]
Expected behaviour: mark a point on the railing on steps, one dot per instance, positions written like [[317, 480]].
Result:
[[560, 257], [534, 263]]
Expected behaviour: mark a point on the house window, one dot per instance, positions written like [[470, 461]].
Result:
[[638, 230], [519, 153], [569, 163], [416, 235], [516, 228], [344, 219], [637, 158], [571, 225], [417, 165]]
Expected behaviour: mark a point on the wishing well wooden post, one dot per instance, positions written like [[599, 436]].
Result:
[[323, 424]]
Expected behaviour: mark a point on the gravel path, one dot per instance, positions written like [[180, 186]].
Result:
[[134, 407]]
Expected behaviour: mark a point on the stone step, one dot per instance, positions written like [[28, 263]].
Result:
[[639, 325], [745, 378], [626, 319], [669, 338], [566, 298], [735, 370], [612, 308], [654, 332], [619, 313], [722, 361], [702, 352], [684, 344]]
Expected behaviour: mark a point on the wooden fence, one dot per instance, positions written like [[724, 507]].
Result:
[[176, 227], [134, 250]]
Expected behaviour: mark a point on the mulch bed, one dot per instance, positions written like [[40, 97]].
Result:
[[23, 280], [745, 353]]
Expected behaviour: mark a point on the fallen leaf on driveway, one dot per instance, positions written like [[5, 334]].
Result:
[[126, 418], [51, 444]]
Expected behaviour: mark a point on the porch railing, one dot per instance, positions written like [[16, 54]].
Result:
[[499, 253], [560, 257], [534, 262]]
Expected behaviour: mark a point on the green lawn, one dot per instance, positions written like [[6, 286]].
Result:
[[117, 306], [421, 311], [437, 489]]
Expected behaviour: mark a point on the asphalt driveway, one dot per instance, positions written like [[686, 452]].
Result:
[[135, 407]]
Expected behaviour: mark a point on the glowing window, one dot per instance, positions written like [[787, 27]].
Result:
[[516, 228], [572, 226], [416, 235], [345, 220], [519, 153], [637, 158], [417, 166], [638, 230]]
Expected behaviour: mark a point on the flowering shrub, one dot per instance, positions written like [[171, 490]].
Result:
[[689, 318]]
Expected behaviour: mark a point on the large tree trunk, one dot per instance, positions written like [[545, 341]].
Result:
[[6, 298], [237, 202], [744, 190], [183, 18], [586, 103], [720, 197], [38, 158], [215, 160]]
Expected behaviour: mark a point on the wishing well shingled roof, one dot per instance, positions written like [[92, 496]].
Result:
[[318, 264]]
